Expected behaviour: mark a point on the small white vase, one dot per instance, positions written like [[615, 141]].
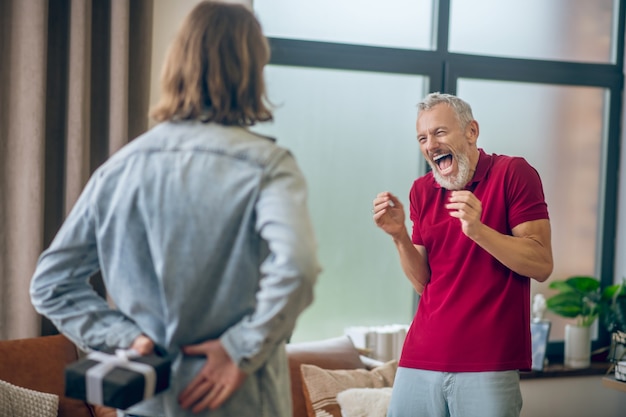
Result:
[[577, 346]]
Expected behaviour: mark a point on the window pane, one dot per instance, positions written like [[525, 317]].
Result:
[[393, 23], [562, 30], [353, 135], [559, 130]]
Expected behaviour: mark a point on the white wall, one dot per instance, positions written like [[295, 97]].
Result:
[[167, 18]]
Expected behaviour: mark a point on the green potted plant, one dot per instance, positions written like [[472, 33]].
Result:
[[578, 297], [581, 297]]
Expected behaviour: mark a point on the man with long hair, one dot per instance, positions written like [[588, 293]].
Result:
[[201, 232]]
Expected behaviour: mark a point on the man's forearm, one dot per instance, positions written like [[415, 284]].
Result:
[[413, 263], [528, 254]]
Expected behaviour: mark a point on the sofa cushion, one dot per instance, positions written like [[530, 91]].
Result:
[[334, 353], [23, 402], [321, 386], [364, 402]]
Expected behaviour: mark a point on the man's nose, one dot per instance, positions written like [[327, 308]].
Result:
[[431, 143]]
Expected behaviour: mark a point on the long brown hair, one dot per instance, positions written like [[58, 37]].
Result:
[[214, 68]]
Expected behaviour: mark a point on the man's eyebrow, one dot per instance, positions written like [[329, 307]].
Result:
[[438, 127]]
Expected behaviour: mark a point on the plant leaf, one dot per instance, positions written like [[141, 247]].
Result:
[[561, 286], [610, 291], [583, 284], [566, 304]]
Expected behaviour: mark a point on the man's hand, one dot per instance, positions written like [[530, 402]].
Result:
[[389, 214], [143, 345], [218, 379], [466, 207]]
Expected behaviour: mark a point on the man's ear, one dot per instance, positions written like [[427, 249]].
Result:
[[471, 131]]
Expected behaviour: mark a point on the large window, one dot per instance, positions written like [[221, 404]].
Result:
[[550, 92], [347, 156], [392, 23], [564, 30]]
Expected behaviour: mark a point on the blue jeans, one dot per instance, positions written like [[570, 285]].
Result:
[[465, 394]]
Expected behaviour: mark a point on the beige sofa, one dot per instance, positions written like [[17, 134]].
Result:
[[38, 363]]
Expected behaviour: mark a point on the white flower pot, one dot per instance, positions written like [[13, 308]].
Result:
[[577, 346]]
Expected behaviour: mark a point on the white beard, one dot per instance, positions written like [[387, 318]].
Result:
[[458, 181]]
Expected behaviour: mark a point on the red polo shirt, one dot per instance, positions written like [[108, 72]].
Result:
[[474, 314]]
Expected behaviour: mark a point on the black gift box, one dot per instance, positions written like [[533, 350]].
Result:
[[121, 388]]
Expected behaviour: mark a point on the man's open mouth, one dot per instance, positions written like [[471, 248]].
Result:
[[443, 161]]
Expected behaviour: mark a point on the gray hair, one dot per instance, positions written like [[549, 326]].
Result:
[[462, 109]]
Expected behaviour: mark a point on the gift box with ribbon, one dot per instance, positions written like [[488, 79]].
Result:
[[119, 380]]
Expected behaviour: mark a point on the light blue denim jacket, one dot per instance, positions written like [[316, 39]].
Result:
[[200, 231]]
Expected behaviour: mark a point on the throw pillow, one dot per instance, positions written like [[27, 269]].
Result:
[[334, 353], [21, 402], [364, 402], [321, 386]]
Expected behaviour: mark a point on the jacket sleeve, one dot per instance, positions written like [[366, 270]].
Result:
[[288, 273], [61, 291]]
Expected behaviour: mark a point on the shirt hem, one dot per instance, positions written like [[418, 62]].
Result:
[[465, 367]]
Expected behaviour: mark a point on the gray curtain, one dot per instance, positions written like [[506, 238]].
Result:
[[74, 88]]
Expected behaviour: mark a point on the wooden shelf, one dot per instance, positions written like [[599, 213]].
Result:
[[560, 371], [611, 382]]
